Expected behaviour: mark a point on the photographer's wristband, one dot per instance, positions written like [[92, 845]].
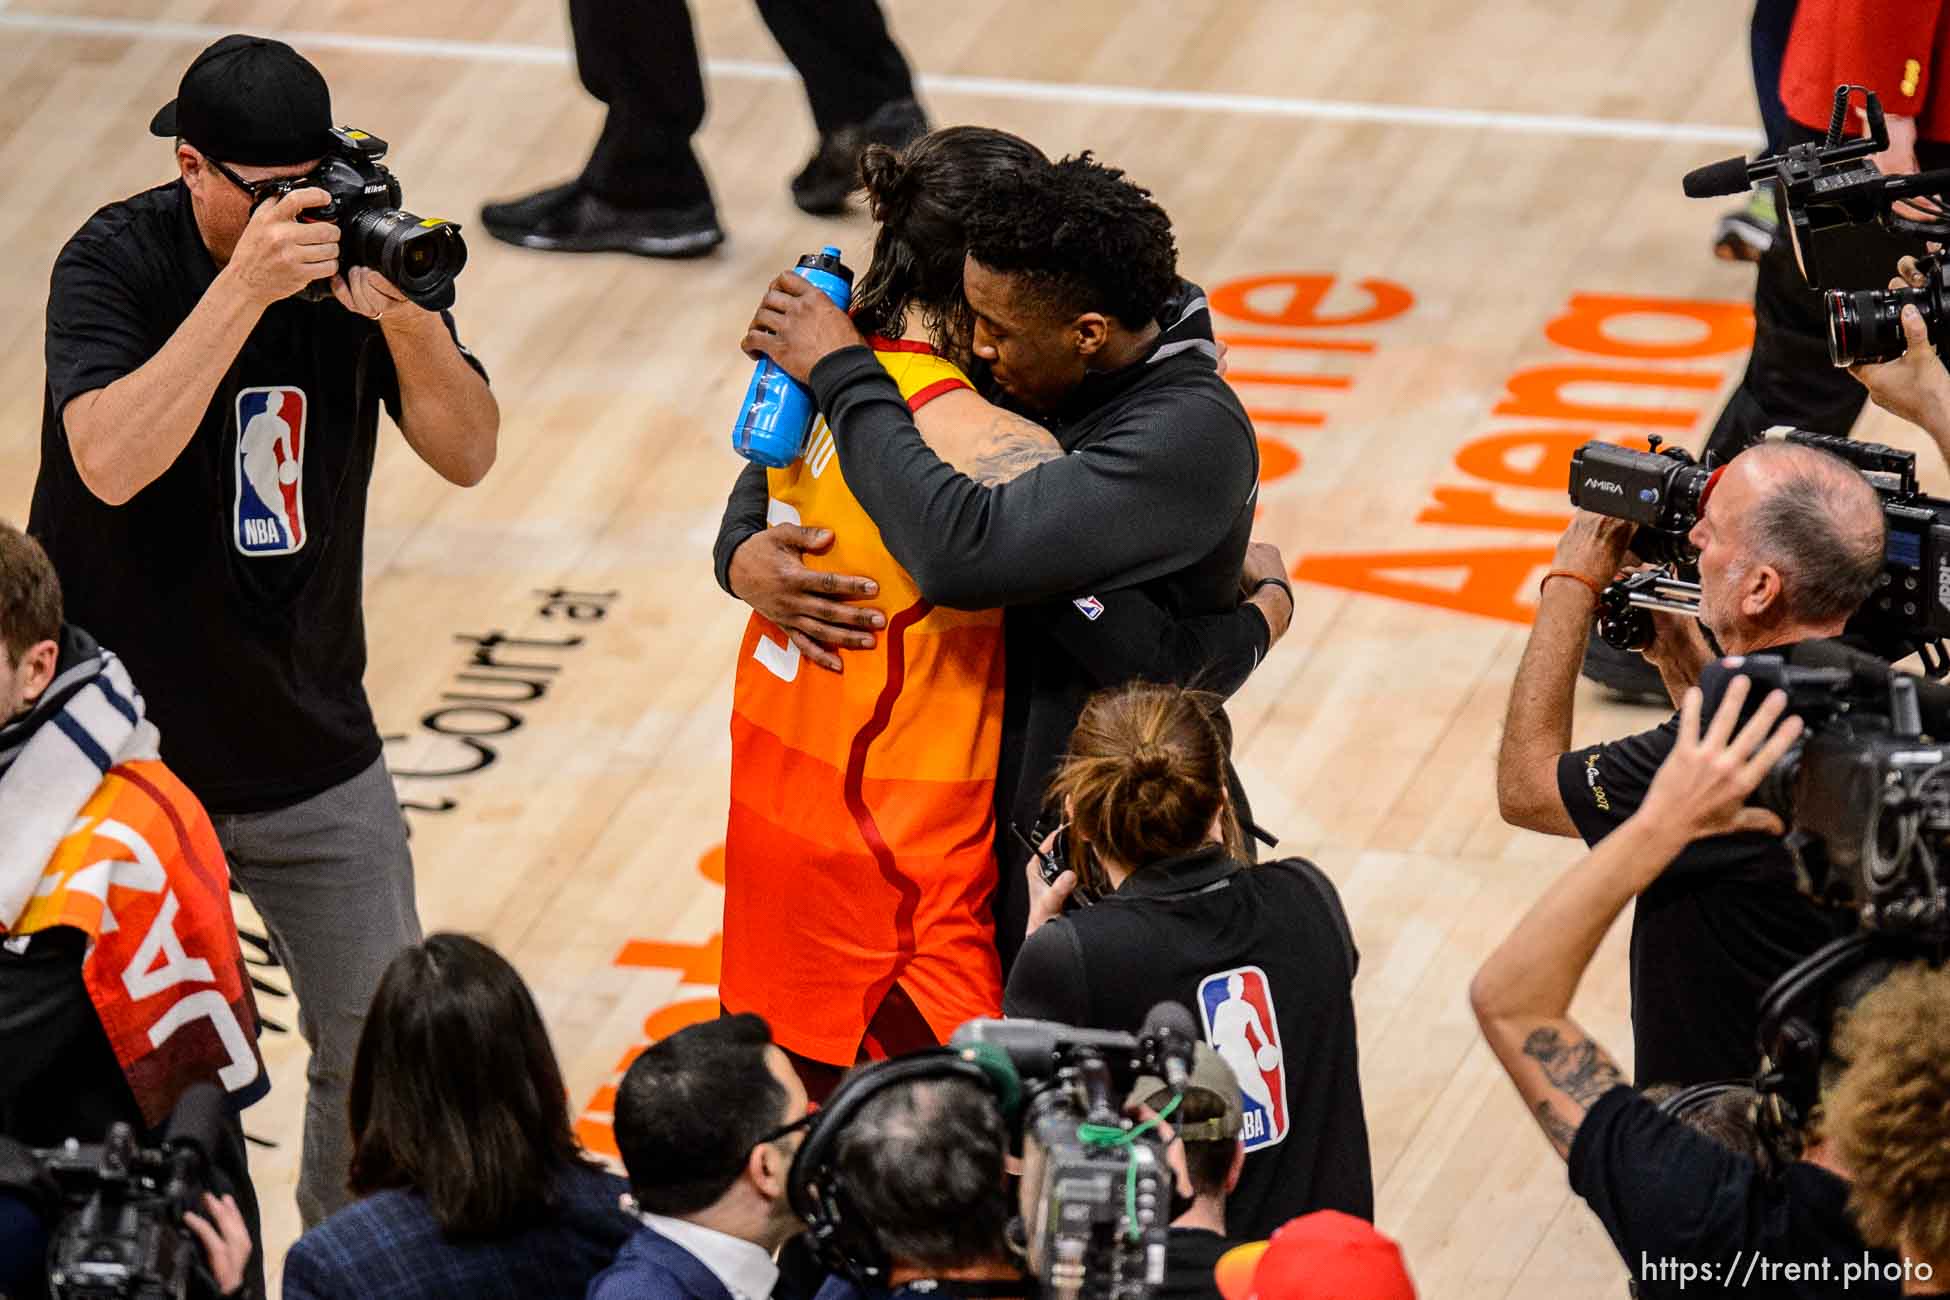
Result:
[[1595, 589]]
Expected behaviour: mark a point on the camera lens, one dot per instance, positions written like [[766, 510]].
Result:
[[1867, 325], [421, 257]]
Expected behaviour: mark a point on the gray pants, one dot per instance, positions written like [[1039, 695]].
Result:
[[333, 880]]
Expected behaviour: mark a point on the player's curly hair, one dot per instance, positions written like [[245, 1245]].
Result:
[[1889, 1114], [919, 197], [1083, 236]]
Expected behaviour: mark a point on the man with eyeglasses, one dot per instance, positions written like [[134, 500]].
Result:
[[707, 1122], [1790, 543], [207, 438]]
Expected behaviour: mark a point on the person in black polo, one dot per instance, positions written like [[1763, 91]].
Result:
[[1262, 955], [1081, 323], [1791, 542], [1688, 1215], [206, 443]]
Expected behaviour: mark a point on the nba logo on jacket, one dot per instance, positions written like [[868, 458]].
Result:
[[269, 516], [1243, 1028]]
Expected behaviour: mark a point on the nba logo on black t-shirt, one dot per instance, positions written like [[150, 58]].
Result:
[[1243, 1028], [269, 516]]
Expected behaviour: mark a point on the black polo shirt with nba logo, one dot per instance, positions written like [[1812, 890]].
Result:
[[231, 585], [1263, 959]]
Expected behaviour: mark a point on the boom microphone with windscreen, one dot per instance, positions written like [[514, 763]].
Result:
[[1728, 176]]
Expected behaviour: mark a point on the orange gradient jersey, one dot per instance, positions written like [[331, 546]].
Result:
[[860, 847]]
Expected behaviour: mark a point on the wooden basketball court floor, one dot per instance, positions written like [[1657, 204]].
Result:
[[1446, 242]]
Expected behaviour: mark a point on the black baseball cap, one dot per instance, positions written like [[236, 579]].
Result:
[[253, 100]]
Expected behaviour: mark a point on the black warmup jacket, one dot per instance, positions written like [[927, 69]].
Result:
[[1119, 560]]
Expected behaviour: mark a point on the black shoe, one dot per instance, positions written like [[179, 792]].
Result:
[[1625, 673], [833, 172], [570, 219]]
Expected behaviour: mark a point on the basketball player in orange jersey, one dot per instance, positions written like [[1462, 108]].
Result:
[[859, 857]]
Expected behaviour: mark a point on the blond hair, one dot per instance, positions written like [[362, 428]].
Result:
[[1889, 1112]]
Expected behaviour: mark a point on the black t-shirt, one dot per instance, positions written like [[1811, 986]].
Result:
[[231, 584], [1676, 1202], [1190, 1256], [1263, 959], [1710, 935]]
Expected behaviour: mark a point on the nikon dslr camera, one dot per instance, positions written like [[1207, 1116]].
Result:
[[419, 255]]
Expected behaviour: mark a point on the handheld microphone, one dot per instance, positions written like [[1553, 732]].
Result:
[[1169, 1026]]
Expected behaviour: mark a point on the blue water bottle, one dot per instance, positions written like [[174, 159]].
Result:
[[778, 412]]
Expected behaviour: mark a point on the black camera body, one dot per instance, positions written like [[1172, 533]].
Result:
[[419, 255], [1096, 1193], [1865, 791], [123, 1235], [1661, 491], [119, 1234]]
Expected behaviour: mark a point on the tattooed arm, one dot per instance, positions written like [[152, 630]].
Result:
[[1522, 995], [982, 441]]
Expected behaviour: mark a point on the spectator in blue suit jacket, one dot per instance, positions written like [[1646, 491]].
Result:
[[707, 1121], [468, 1176]]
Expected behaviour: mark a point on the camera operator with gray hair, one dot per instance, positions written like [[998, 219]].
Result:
[[208, 434], [1684, 1211], [1790, 544]]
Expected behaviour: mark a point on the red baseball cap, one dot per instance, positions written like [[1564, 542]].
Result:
[[1325, 1255]]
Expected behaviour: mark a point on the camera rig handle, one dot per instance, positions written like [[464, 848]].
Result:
[[1623, 621]]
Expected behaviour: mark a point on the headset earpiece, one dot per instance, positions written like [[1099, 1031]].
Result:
[[814, 1189]]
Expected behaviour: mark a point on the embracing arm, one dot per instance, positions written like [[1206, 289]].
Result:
[[1063, 527], [1126, 635], [744, 515]]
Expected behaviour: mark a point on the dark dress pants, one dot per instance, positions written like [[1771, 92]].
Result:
[[640, 58]]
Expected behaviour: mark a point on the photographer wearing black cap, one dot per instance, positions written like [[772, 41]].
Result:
[[207, 437]]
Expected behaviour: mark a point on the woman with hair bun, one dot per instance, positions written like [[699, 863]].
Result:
[[859, 854], [1260, 955]]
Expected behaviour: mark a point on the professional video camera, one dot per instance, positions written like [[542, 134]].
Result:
[[1663, 491], [1097, 1197], [1096, 1192], [1865, 791], [1833, 186], [121, 1231], [420, 256]]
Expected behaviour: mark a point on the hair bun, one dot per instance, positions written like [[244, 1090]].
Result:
[[882, 175], [1149, 759]]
